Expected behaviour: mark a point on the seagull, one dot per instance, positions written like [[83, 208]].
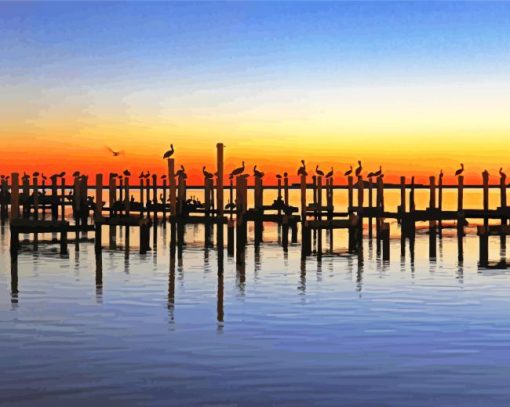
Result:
[[114, 153], [169, 153], [460, 170]]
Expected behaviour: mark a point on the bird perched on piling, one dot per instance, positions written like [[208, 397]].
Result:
[[62, 174], [359, 169], [349, 171], [501, 173], [237, 171], [126, 173], [460, 170], [181, 173], [163, 177], [278, 176], [257, 173], [318, 171], [330, 173], [76, 174], [114, 153], [169, 153], [375, 173], [206, 173], [441, 174], [230, 206], [35, 174], [302, 170]]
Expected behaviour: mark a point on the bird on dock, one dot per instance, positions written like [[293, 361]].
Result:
[[62, 174], [113, 175], [302, 170], [76, 174], [163, 177], [114, 153], [359, 169], [147, 175], [330, 173], [169, 153], [460, 170], [181, 173], [318, 171], [141, 175], [126, 173], [278, 176], [501, 173], [230, 206], [237, 171], [35, 174], [375, 173], [206, 173], [257, 173], [441, 174]]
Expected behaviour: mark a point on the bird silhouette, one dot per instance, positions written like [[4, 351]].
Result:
[[278, 176], [302, 169], [230, 205], [237, 171], [318, 171], [349, 171], [330, 173], [163, 177], [76, 174], [375, 173], [35, 174], [501, 173], [441, 174], [285, 175], [181, 173], [169, 153], [62, 174], [359, 169], [257, 173], [141, 175], [114, 153], [126, 173], [206, 173], [460, 170]]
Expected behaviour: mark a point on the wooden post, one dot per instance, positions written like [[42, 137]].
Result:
[[35, 194], [230, 237], [286, 188], [111, 193], [502, 184], [63, 197], [155, 197], [350, 204], [127, 197], [360, 193], [208, 186], [402, 196], [485, 178], [380, 194], [99, 196], [142, 198], [460, 193], [370, 232], [171, 181], [319, 195], [484, 245], [432, 199], [219, 179], [14, 195], [164, 201], [303, 197]]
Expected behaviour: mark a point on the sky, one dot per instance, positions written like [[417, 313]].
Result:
[[415, 87]]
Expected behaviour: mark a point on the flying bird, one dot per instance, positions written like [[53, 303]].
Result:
[[114, 153], [460, 170], [169, 153]]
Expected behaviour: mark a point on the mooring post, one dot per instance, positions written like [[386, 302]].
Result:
[[385, 232], [164, 203], [360, 185], [286, 189], [54, 198], [127, 197], [370, 201], [63, 197], [483, 235], [155, 197], [219, 179], [440, 200], [502, 186], [14, 195], [259, 209], [350, 193], [485, 178], [285, 232], [402, 208], [98, 210]]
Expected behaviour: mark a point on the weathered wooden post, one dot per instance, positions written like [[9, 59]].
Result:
[[432, 222], [4, 201], [485, 179], [440, 199], [173, 205], [286, 188], [259, 209], [318, 181], [370, 200], [219, 179], [460, 193], [360, 185], [14, 195], [164, 201], [35, 194], [142, 195], [26, 196], [54, 198], [63, 197], [483, 235], [111, 194], [127, 197], [240, 217], [502, 186], [155, 197], [350, 193], [98, 210]]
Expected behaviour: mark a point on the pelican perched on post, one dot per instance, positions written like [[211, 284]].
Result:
[[330, 173], [237, 171], [181, 173], [501, 173], [349, 171], [359, 169], [257, 173], [207, 174], [126, 173], [460, 170], [318, 171], [169, 153], [302, 169]]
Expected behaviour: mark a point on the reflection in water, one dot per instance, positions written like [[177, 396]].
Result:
[[14, 279], [99, 278], [302, 278], [171, 290]]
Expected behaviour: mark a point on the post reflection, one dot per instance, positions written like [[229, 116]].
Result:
[[220, 294], [171, 290], [14, 280], [99, 278]]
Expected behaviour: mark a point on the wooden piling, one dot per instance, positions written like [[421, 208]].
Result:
[[485, 180], [14, 195], [286, 189], [171, 185], [502, 187], [460, 193], [219, 179], [350, 193], [99, 196]]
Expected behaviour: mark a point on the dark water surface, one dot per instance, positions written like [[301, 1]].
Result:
[[144, 330]]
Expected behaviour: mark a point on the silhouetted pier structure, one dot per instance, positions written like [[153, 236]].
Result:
[[37, 207]]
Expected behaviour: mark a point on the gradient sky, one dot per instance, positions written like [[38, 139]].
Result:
[[414, 86]]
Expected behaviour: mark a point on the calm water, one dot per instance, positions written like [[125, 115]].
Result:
[[142, 330]]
